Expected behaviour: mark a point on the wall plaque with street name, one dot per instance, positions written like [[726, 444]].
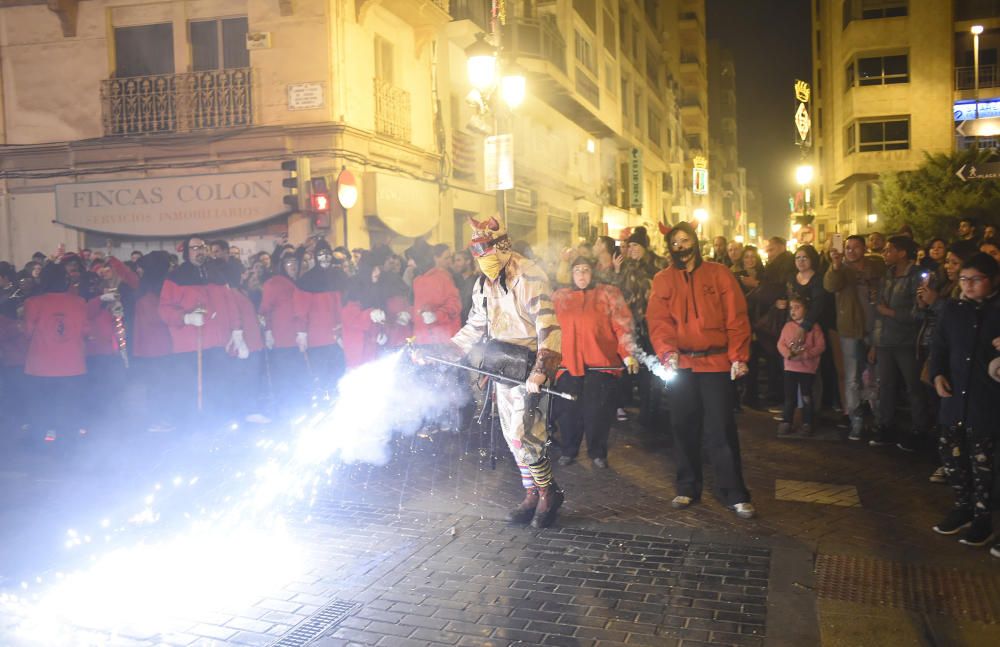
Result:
[[305, 96]]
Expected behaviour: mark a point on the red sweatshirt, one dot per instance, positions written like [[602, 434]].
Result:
[[434, 291], [278, 308], [150, 336], [702, 310], [319, 315], [397, 333], [102, 339], [359, 333], [56, 326], [597, 327]]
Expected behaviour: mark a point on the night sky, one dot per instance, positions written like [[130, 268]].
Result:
[[769, 40]]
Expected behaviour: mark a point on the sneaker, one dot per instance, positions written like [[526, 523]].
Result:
[[774, 409], [565, 460], [908, 443], [855, 434], [979, 533], [955, 521], [681, 502], [778, 418], [938, 476], [995, 551], [881, 438], [600, 463], [621, 415], [785, 430], [744, 510]]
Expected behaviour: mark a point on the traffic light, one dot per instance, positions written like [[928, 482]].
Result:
[[319, 203], [297, 183]]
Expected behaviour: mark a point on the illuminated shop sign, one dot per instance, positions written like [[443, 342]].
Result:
[[966, 110]]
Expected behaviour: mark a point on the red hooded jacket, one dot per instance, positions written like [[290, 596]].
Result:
[[434, 291], [184, 292], [248, 319], [56, 326], [597, 327], [150, 336], [278, 308]]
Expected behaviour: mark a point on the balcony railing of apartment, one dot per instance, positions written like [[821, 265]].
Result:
[[536, 38], [690, 57], [691, 102], [478, 11], [392, 111], [169, 103], [965, 77]]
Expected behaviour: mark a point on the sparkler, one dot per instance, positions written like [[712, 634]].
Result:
[[192, 546]]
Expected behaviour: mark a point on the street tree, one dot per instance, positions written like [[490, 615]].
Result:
[[932, 198]]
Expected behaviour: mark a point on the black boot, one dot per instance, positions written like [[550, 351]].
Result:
[[526, 510], [550, 498]]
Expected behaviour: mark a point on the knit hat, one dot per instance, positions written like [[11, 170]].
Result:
[[582, 260], [640, 237]]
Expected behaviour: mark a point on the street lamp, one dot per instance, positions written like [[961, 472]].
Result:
[[872, 219], [804, 174], [482, 63], [701, 215]]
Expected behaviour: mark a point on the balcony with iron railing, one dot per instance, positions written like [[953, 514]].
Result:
[[965, 77], [536, 38], [174, 103], [392, 111]]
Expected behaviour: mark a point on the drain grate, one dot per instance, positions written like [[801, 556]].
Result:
[[326, 618], [938, 591]]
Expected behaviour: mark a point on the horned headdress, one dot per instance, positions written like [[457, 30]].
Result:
[[488, 235]]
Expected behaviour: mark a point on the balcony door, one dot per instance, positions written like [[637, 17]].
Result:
[[219, 44], [144, 50]]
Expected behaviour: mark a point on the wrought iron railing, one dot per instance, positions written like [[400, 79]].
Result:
[[965, 77], [167, 103], [536, 38], [392, 111]]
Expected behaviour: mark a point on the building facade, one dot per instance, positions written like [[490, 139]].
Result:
[[131, 124], [727, 179], [893, 80]]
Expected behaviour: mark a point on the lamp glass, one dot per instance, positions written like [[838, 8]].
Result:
[[482, 69], [804, 174], [872, 218], [977, 29], [513, 89], [701, 215]]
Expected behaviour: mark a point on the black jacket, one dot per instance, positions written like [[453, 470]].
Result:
[[961, 350]]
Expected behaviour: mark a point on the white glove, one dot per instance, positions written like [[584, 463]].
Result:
[[238, 345], [631, 365], [428, 317], [108, 297], [738, 370], [381, 339], [404, 318], [269, 339], [196, 319], [378, 316], [302, 341]]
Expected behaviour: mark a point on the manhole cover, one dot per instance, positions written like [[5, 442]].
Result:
[[938, 591], [317, 624]]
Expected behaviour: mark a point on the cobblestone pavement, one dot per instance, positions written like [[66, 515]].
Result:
[[415, 553]]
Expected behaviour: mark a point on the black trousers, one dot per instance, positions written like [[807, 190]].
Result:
[[589, 415], [701, 411], [794, 383], [213, 383], [289, 380]]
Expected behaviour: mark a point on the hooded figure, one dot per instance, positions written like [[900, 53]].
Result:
[[699, 329], [511, 303], [150, 336], [282, 326], [318, 312], [598, 341]]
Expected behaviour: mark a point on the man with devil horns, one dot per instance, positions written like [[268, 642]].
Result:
[[511, 303]]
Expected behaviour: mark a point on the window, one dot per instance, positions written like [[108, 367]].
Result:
[[653, 127], [849, 76], [880, 135], [610, 44], [883, 70], [625, 96], [635, 41], [819, 83], [850, 139], [384, 60], [653, 68], [588, 11], [623, 27], [819, 42], [652, 13], [219, 44], [585, 52], [638, 109], [144, 50], [610, 76], [874, 9]]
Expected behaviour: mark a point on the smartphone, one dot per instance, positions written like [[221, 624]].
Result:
[[837, 242]]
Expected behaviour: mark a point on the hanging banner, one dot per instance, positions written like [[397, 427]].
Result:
[[802, 120], [635, 177], [499, 158], [699, 176]]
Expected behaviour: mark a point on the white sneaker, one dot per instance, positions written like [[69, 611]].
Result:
[[258, 419], [621, 415], [681, 502], [744, 510], [995, 551]]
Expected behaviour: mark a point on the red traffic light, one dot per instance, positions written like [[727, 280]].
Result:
[[320, 202]]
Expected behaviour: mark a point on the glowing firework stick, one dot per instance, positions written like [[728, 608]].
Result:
[[497, 377]]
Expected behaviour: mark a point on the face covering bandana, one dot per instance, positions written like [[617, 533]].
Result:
[[490, 265], [681, 256]]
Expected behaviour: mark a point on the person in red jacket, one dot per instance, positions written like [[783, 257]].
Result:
[[598, 337], [55, 323], [364, 316], [700, 331], [200, 322], [436, 302], [281, 325], [317, 303], [246, 359], [150, 345]]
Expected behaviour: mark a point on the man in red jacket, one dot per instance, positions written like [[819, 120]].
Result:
[[699, 329], [436, 303]]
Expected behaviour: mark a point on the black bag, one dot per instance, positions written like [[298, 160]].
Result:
[[502, 358]]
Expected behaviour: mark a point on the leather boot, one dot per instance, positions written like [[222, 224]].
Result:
[[550, 498], [526, 510]]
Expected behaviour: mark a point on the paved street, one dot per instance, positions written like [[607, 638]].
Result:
[[414, 553]]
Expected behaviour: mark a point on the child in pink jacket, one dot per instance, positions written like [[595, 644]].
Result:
[[801, 351]]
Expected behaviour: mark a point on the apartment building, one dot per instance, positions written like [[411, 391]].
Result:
[[893, 80], [130, 123], [727, 179]]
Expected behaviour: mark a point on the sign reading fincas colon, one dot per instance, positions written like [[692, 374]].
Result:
[[171, 206]]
